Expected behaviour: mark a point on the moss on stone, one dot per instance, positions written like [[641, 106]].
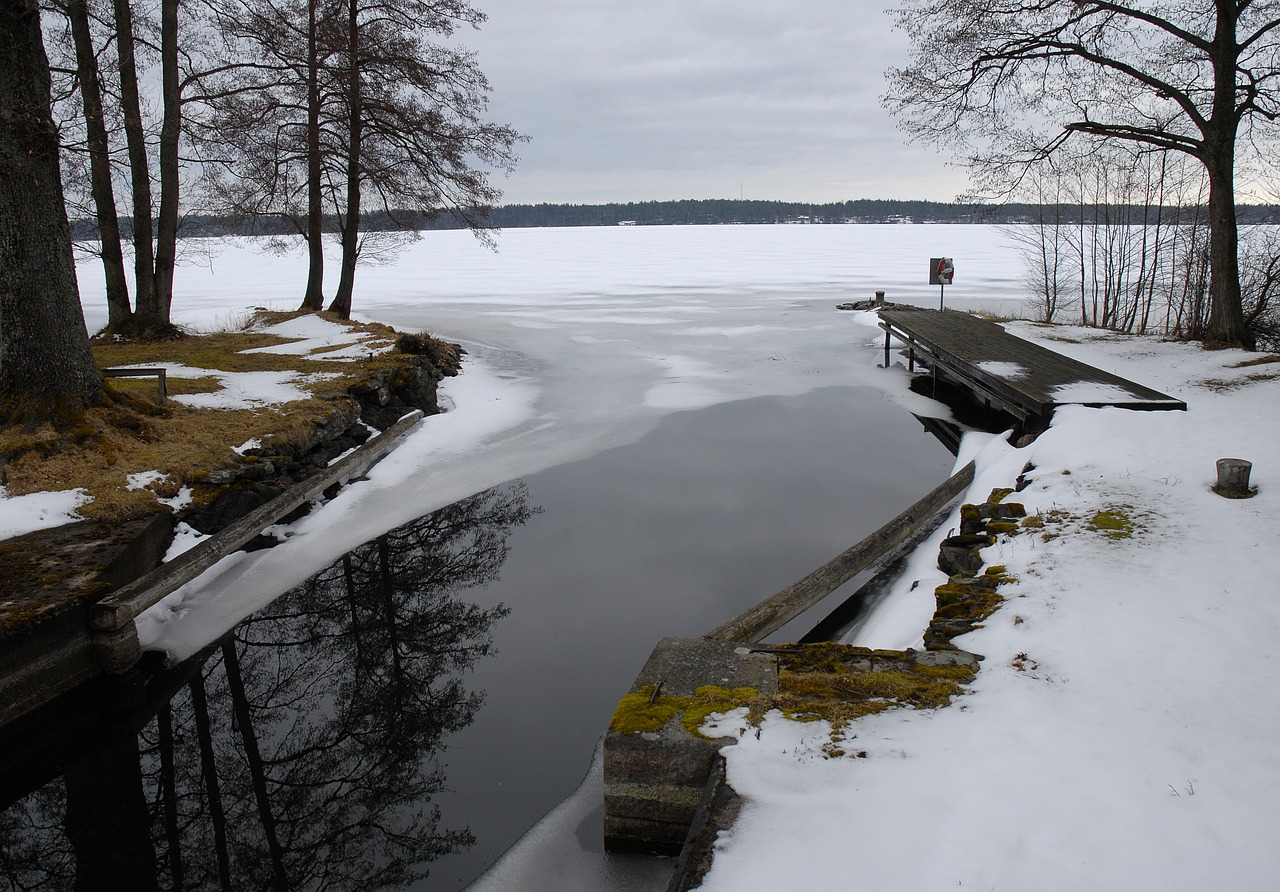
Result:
[[711, 699], [641, 711]]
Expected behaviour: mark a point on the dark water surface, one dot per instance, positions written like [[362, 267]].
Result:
[[338, 740]]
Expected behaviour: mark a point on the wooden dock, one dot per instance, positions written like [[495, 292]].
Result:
[[1024, 379]]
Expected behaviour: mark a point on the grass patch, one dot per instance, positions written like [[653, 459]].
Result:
[[1223, 385], [988, 316], [183, 443], [1260, 360]]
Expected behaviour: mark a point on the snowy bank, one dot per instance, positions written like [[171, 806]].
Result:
[[1119, 735]]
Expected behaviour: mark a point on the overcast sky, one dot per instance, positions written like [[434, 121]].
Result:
[[637, 100]]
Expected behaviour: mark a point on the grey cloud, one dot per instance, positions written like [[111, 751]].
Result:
[[700, 98]]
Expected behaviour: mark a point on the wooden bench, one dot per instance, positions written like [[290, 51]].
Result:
[[157, 373]]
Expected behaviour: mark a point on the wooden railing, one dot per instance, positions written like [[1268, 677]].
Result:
[[111, 619], [776, 611]]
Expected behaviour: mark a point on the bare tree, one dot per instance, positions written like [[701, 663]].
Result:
[[271, 131], [1016, 80], [46, 370], [352, 106], [417, 144], [97, 145]]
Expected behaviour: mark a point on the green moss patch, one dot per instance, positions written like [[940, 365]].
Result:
[[839, 683], [643, 711], [836, 683], [1114, 523]]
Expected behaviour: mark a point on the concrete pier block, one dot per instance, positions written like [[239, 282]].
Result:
[[654, 779]]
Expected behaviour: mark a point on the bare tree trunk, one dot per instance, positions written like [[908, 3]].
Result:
[[47, 372], [1226, 313], [341, 304], [169, 795], [167, 223], [313, 299], [144, 290], [119, 312], [107, 820]]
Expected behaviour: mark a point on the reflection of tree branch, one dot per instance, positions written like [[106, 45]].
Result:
[[345, 688], [306, 746], [244, 721], [209, 771], [169, 794], [34, 850]]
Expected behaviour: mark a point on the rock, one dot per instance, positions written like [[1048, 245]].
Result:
[[958, 555]]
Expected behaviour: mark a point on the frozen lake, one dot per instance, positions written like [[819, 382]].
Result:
[[697, 421], [587, 337]]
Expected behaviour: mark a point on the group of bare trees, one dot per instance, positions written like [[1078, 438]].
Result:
[[1121, 240], [310, 111], [1013, 83], [330, 108]]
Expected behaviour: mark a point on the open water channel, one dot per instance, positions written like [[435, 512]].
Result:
[[408, 712], [436, 691]]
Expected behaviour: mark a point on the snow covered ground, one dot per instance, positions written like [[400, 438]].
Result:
[[1121, 732]]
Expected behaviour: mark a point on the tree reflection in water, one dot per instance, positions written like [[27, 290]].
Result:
[[301, 751]]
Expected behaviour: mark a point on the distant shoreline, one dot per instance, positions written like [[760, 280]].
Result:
[[705, 212]]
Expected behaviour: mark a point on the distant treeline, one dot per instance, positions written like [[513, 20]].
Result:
[[721, 212]]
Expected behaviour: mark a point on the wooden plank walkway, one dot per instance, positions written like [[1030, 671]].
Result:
[[1024, 379]]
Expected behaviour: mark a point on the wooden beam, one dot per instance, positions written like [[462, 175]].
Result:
[[775, 612], [123, 605]]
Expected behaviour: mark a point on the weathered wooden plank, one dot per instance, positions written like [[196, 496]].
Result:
[[776, 611], [123, 605]]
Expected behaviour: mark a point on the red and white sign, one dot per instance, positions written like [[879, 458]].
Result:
[[942, 270]]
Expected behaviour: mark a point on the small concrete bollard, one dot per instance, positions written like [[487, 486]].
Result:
[[879, 298], [1233, 478]]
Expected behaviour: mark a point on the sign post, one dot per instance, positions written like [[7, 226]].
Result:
[[942, 271]]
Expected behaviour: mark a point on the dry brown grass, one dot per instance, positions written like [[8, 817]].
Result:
[[137, 434]]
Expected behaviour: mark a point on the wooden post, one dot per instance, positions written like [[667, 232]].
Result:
[[1233, 478], [879, 298], [886, 348]]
